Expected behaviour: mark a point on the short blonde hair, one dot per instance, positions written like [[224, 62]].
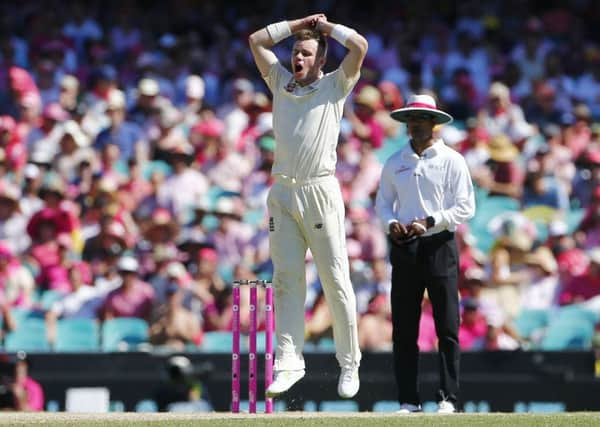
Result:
[[314, 35]]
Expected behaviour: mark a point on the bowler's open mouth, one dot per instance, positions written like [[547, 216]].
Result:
[[297, 68]]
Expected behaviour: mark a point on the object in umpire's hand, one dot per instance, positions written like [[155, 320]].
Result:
[[419, 226], [415, 229]]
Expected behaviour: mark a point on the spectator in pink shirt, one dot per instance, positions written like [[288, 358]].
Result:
[[473, 326], [12, 143], [16, 282], [578, 136], [371, 240], [588, 232], [365, 127], [375, 326], [134, 298], [56, 275], [366, 179], [504, 175], [427, 340], [583, 287], [391, 99], [29, 395]]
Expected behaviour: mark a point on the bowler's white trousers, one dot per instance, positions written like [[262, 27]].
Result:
[[310, 214]]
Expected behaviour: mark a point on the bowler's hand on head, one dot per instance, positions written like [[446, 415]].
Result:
[[313, 20], [320, 25]]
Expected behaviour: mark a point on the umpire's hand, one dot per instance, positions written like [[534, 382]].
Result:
[[416, 228], [397, 232]]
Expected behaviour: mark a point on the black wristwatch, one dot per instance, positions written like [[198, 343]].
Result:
[[430, 221]]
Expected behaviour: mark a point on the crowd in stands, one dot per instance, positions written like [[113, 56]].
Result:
[[136, 146]]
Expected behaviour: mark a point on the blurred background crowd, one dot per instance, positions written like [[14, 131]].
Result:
[[136, 146]]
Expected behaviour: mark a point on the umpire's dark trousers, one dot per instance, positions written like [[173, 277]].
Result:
[[425, 263]]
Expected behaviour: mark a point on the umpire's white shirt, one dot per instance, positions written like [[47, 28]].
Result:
[[437, 184], [306, 122]]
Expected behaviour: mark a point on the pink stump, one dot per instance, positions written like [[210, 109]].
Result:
[[252, 367], [269, 327], [235, 353]]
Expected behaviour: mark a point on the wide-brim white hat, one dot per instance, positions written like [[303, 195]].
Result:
[[423, 104]]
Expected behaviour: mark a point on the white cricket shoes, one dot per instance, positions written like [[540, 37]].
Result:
[[284, 380], [349, 383], [445, 407], [409, 408]]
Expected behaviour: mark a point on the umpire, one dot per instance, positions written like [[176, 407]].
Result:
[[425, 192]]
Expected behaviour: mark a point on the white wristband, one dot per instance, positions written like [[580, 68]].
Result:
[[419, 225], [341, 33], [279, 31]]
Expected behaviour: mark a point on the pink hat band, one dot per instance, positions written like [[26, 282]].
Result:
[[421, 105], [424, 103]]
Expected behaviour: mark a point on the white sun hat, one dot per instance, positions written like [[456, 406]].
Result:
[[148, 87], [194, 87], [421, 104], [128, 263]]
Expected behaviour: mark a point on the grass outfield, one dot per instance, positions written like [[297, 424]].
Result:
[[292, 419]]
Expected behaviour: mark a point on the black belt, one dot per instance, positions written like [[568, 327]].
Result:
[[444, 234]]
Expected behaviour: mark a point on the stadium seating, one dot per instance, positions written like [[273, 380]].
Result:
[[226, 272], [146, 405], [30, 335], [49, 297], [487, 209], [430, 406], [338, 406], [478, 407], [576, 312], [21, 315], [574, 217], [530, 321], [326, 345], [218, 342], [254, 217], [386, 406], [116, 406], [278, 406], [77, 335], [570, 328], [568, 334], [310, 406], [52, 406], [123, 332], [155, 166], [539, 407], [260, 341]]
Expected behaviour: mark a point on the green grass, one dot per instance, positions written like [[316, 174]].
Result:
[[301, 419]]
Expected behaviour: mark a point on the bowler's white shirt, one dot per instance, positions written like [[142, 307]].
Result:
[[306, 121], [437, 184]]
